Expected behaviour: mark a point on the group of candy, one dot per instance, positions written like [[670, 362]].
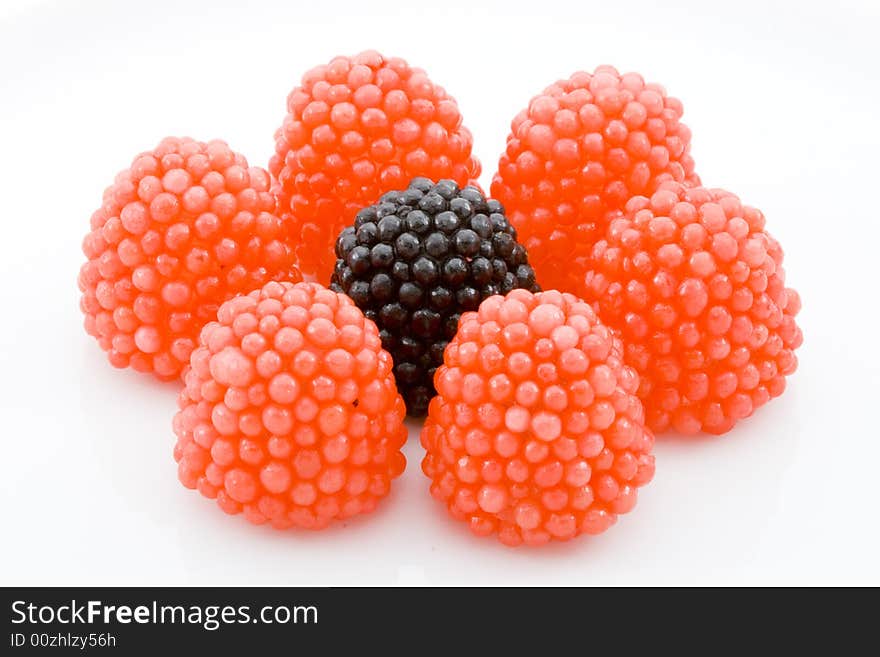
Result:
[[665, 305]]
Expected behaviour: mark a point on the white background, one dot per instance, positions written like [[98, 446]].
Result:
[[783, 102]]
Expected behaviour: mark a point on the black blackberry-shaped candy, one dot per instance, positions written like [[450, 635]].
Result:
[[418, 259]]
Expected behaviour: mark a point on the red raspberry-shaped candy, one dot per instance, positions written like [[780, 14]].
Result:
[[186, 227], [356, 128], [536, 433], [585, 146], [289, 412], [697, 289]]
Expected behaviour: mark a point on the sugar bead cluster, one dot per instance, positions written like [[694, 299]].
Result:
[[419, 258], [536, 433], [289, 413], [581, 148], [182, 230], [696, 286], [355, 128]]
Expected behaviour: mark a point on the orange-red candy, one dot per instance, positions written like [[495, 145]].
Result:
[[695, 285], [582, 148], [289, 414], [356, 128], [536, 433], [183, 229]]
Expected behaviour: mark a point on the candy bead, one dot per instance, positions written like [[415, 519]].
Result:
[[553, 456], [304, 440], [187, 226], [356, 128], [582, 148], [696, 287], [417, 259]]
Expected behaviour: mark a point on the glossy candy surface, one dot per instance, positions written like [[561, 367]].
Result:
[[581, 148], [289, 413], [696, 287], [536, 433], [418, 259], [186, 227], [356, 128]]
